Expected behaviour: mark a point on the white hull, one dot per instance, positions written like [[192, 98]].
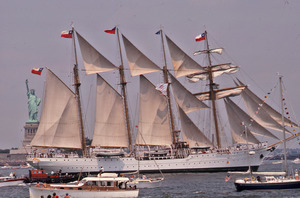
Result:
[[38, 192], [11, 183], [208, 162]]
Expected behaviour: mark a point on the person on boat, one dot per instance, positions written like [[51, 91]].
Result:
[[101, 171], [67, 196], [54, 195], [49, 196], [258, 178], [296, 174]]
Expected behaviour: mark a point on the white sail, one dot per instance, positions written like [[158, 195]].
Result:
[[221, 93], [253, 126], [182, 63], [154, 122], [216, 71], [191, 133], [59, 125], [137, 61], [237, 129], [262, 112], [110, 126], [94, 62], [217, 50], [184, 98]]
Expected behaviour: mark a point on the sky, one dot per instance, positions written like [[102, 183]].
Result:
[[261, 36]]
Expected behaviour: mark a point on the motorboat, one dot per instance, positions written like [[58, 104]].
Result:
[[103, 185], [11, 180]]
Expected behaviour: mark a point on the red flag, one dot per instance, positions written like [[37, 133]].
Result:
[[112, 31], [200, 37], [37, 71], [67, 34]]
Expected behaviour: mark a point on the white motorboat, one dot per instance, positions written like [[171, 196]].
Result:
[[104, 185], [11, 180]]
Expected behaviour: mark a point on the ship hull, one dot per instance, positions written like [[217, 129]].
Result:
[[39, 192], [207, 162], [267, 185]]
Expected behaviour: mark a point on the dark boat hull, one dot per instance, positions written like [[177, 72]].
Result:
[[267, 186]]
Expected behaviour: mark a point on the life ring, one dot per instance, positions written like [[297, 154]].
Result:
[[253, 178], [246, 178]]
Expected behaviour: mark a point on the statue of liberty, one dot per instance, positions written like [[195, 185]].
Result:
[[33, 103]]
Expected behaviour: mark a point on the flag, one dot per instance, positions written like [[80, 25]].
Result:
[[227, 178], [67, 34], [37, 71], [201, 37], [158, 32], [112, 31]]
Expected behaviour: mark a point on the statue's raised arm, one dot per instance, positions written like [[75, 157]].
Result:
[[33, 103]]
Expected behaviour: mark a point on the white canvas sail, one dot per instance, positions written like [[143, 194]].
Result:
[[59, 125], [253, 126], [221, 93], [154, 121], [216, 71], [262, 112], [137, 61], [191, 133], [110, 126], [184, 98], [94, 62], [237, 129], [182, 63]]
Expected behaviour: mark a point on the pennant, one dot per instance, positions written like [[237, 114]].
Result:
[[37, 71], [200, 37], [112, 31], [67, 34], [158, 32]]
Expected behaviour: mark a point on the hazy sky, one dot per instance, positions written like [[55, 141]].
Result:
[[261, 36]]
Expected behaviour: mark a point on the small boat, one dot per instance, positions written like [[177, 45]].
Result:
[[296, 161], [11, 180], [145, 182], [273, 180], [266, 183], [42, 176], [104, 185]]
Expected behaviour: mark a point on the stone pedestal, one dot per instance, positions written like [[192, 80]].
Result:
[[30, 131]]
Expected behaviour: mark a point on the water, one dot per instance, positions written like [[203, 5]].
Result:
[[183, 185]]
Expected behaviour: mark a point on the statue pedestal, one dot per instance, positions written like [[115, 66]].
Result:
[[30, 131]]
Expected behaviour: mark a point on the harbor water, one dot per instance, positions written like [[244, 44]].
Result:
[[182, 185]]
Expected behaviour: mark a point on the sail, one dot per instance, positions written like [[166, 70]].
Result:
[[94, 62], [184, 98], [110, 126], [253, 126], [217, 50], [262, 112], [217, 70], [182, 63], [154, 121], [237, 129], [137, 61], [59, 126], [221, 93], [191, 133]]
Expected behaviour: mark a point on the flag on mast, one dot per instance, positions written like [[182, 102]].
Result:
[[67, 34], [37, 71], [200, 37], [112, 31]]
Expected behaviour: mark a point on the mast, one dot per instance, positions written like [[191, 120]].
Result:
[[283, 125], [77, 85], [212, 92], [123, 84], [166, 80]]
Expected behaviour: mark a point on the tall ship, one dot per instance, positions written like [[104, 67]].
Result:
[[160, 144]]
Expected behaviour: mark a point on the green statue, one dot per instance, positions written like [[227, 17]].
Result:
[[33, 103]]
